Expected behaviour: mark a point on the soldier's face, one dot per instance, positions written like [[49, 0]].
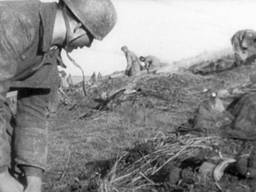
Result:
[[78, 36]]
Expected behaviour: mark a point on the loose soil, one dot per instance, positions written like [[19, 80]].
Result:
[[123, 120]]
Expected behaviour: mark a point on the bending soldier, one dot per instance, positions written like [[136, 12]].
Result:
[[32, 36], [150, 62], [133, 63]]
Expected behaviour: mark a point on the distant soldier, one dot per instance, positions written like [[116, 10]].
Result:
[[151, 62], [244, 45], [63, 78], [69, 80], [133, 63], [93, 78], [99, 77], [66, 79]]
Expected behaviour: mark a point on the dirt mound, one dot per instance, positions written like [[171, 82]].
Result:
[[119, 112], [166, 99], [156, 164], [165, 164]]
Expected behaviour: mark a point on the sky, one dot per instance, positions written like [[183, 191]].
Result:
[[169, 29]]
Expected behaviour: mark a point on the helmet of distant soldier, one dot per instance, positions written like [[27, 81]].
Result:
[[142, 59], [97, 16], [124, 48]]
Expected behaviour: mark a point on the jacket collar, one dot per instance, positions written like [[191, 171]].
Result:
[[47, 15]]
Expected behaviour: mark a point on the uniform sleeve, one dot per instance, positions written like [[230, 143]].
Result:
[[14, 39], [34, 112], [16, 35]]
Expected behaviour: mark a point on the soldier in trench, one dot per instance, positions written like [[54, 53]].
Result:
[[150, 62]]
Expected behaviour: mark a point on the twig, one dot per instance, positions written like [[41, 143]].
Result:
[[145, 185], [66, 165], [173, 157], [218, 186], [145, 177], [122, 177], [62, 186]]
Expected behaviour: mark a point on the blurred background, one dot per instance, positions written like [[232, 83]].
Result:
[[169, 29]]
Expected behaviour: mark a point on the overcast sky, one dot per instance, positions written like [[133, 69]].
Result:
[[169, 29]]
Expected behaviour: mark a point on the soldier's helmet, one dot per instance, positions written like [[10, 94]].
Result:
[[142, 59], [97, 16], [244, 44], [124, 48]]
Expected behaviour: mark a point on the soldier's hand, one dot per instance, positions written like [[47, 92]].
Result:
[[9, 183], [34, 184]]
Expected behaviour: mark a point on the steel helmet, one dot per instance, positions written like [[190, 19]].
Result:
[[97, 16]]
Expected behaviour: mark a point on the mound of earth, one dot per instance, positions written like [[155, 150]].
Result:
[[119, 114], [165, 164]]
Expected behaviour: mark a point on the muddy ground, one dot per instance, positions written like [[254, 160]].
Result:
[[122, 113]]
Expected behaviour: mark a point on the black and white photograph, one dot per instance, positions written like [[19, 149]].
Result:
[[127, 96]]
